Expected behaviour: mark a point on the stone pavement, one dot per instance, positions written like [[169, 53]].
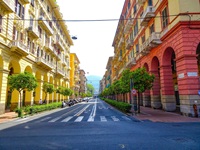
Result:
[[147, 114], [157, 115]]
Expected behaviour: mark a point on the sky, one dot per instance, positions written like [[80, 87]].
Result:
[[94, 38]]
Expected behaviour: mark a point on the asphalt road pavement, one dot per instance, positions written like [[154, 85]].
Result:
[[96, 125]]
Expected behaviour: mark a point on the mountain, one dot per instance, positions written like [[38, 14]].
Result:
[[94, 80]]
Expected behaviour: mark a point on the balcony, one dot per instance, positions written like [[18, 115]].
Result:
[[32, 32], [121, 70], [44, 63], [48, 47], [20, 48], [60, 45], [44, 24], [147, 15], [128, 26], [7, 5], [60, 72], [140, 2], [25, 1], [66, 77], [150, 43], [129, 43], [131, 62]]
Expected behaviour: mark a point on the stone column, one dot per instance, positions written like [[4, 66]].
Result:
[[3, 89], [188, 84], [155, 92]]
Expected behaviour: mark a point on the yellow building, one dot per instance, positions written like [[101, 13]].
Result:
[[74, 74], [32, 40]]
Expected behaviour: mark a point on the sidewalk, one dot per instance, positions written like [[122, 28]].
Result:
[[147, 114], [157, 115], [7, 116]]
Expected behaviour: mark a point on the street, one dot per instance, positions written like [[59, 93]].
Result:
[[96, 125]]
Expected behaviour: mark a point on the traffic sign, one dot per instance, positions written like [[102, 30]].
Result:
[[133, 91]]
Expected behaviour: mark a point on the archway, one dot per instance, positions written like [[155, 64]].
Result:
[[198, 59], [155, 92], [146, 98], [168, 78], [27, 95], [12, 98]]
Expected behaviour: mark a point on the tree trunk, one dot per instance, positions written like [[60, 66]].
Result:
[[20, 99]]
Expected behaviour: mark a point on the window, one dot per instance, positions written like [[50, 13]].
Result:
[[14, 33], [137, 48], [151, 29], [120, 53], [135, 9], [31, 21], [132, 53], [1, 23], [21, 37], [164, 18], [150, 3], [48, 9], [32, 3], [143, 38], [136, 28], [129, 5], [40, 31], [19, 9]]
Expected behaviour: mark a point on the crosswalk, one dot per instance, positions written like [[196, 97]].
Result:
[[84, 119]]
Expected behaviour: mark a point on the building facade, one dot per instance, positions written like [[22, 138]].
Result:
[[83, 81], [32, 40], [109, 72], [164, 37], [74, 74]]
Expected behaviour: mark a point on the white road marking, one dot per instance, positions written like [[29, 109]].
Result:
[[67, 119], [79, 119], [103, 119], [55, 119], [91, 119], [114, 118], [126, 118], [44, 119], [81, 111]]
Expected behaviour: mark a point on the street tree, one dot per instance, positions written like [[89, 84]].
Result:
[[21, 82], [90, 89], [142, 81], [125, 82], [47, 88]]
